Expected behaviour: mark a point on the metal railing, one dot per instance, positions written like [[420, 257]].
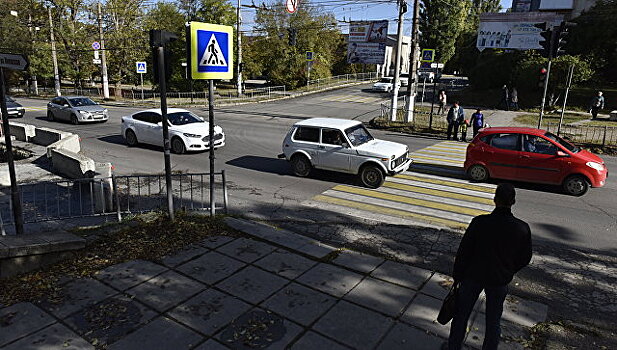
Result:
[[421, 118], [115, 195], [343, 79], [586, 134]]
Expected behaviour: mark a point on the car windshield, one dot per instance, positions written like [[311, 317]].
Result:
[[570, 147], [9, 99], [81, 101], [183, 118], [358, 135], [385, 80]]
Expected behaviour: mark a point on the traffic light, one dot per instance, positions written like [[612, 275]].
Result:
[[158, 38], [292, 36], [561, 34], [542, 77], [547, 39]]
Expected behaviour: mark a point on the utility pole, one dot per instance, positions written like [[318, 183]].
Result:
[[413, 62], [402, 8], [54, 58], [239, 40], [35, 84], [103, 60]]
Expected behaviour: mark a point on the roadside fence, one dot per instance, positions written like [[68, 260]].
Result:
[[116, 195], [421, 117], [586, 134]]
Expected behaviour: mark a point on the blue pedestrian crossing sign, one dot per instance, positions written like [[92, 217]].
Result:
[[211, 51], [141, 67], [428, 55]]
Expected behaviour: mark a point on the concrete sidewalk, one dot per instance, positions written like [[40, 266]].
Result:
[[279, 290]]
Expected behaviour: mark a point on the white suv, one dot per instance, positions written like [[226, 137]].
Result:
[[345, 146]]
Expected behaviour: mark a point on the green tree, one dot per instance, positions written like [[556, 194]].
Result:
[[441, 23]]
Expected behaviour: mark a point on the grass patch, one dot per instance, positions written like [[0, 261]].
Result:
[[147, 237], [532, 119], [608, 123]]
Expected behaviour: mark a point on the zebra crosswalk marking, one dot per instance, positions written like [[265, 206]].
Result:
[[438, 193], [447, 183]]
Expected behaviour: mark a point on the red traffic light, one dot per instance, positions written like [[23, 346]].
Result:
[[543, 71]]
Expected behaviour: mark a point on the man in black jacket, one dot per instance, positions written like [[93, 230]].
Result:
[[493, 249]]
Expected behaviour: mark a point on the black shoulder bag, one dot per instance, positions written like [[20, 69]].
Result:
[[448, 308]]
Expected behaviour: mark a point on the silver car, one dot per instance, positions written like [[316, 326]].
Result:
[[76, 109]]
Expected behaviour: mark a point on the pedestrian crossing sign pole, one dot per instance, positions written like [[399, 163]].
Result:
[[210, 56]]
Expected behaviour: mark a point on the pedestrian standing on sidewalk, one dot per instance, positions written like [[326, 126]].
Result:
[[477, 121], [442, 102], [505, 98], [493, 249], [597, 103], [455, 117], [514, 99]]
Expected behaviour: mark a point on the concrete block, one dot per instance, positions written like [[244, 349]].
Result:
[[72, 165], [69, 142], [22, 132], [47, 136]]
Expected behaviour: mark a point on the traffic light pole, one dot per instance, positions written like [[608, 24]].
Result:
[[160, 51], [397, 68], [548, 74], [211, 133], [565, 98]]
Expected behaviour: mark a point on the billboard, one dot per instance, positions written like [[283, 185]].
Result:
[[367, 42], [513, 30]]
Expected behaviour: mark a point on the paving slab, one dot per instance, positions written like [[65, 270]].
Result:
[[281, 237], [381, 296], [316, 250], [55, 336], [524, 312], [107, 322], [129, 274], [330, 279], [299, 304], [312, 341], [162, 333], [184, 255], [285, 263], [422, 313], [353, 325], [402, 274], [259, 329], [246, 250], [211, 344], [76, 295], [404, 337], [214, 242], [211, 267], [360, 262], [166, 290], [509, 332], [252, 284], [21, 319], [209, 311], [438, 286]]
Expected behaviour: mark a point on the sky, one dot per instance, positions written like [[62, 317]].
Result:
[[356, 10]]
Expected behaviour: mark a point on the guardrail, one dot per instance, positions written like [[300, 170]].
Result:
[[586, 134], [115, 195], [421, 118]]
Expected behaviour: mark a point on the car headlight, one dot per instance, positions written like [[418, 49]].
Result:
[[190, 135], [105, 111], [596, 166], [84, 113]]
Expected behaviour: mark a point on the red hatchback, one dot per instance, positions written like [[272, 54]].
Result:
[[533, 155]]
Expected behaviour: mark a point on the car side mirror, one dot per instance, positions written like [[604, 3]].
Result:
[[561, 154]]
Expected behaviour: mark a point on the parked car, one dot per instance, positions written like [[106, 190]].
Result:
[[533, 155], [345, 146], [76, 109], [187, 131], [14, 109], [384, 85]]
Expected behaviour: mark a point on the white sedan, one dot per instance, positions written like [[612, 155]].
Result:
[[187, 132]]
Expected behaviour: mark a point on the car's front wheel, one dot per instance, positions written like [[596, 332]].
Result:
[[478, 173], [177, 146], [74, 119], [300, 165], [576, 185], [50, 116], [131, 138], [371, 176]]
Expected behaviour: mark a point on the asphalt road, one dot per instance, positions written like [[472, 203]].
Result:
[[258, 179]]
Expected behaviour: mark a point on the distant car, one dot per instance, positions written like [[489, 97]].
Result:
[[14, 109], [187, 131], [533, 155], [345, 146], [76, 109], [384, 85]]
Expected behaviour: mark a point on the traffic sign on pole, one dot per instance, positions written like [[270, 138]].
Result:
[[309, 55], [141, 67], [437, 65], [96, 61], [211, 51], [428, 55], [96, 45], [292, 5], [12, 61]]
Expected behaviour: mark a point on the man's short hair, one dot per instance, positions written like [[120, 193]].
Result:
[[505, 194]]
